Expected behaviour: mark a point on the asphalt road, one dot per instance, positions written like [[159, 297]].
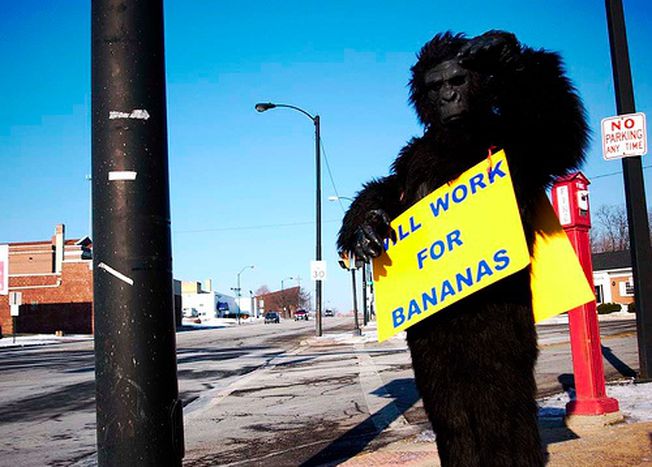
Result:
[[253, 395]]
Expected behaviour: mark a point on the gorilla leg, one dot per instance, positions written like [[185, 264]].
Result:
[[473, 364]]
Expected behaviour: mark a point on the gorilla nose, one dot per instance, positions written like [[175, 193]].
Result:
[[448, 95]]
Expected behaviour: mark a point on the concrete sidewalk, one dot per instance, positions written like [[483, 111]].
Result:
[[625, 444], [617, 445]]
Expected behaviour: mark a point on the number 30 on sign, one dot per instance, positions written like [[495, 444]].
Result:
[[318, 270]]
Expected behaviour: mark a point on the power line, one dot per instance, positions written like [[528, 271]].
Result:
[[613, 173], [332, 180], [253, 227], [330, 175]]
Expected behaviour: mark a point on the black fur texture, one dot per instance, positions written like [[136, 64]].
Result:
[[474, 361]]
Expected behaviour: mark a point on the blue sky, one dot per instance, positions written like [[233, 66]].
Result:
[[242, 183]]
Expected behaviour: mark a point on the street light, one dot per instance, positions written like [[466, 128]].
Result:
[[283, 280], [238, 288], [264, 106]]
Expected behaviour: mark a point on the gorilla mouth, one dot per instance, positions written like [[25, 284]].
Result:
[[453, 117], [452, 113]]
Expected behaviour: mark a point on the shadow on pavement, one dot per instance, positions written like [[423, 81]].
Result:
[[401, 394], [49, 405], [622, 367]]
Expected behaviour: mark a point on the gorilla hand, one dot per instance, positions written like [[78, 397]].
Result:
[[370, 235], [491, 48]]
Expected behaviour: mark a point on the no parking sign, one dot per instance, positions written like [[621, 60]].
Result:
[[624, 136]]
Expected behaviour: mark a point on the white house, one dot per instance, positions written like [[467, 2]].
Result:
[[612, 277], [204, 303]]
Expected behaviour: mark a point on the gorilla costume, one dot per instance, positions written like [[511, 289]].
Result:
[[474, 360]]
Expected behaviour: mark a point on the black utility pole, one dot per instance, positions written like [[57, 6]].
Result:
[[356, 323], [639, 233], [318, 282], [139, 418], [365, 309]]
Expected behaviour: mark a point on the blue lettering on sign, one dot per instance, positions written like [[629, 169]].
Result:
[[439, 247], [429, 299], [446, 290], [441, 203], [398, 317], [461, 192], [403, 233], [483, 270], [496, 172], [413, 309], [467, 278], [477, 181], [501, 259], [414, 227]]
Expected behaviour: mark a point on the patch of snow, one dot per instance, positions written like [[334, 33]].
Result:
[[41, 339], [634, 399]]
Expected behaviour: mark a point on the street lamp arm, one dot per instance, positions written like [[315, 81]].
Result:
[[246, 267], [336, 198], [262, 107]]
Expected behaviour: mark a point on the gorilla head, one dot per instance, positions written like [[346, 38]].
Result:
[[453, 82]]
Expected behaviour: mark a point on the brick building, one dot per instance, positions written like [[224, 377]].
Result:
[[286, 301], [55, 279]]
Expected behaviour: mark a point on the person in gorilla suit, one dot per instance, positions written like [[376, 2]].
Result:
[[474, 360]]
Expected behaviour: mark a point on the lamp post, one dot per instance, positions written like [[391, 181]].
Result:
[[283, 280], [264, 106], [238, 288]]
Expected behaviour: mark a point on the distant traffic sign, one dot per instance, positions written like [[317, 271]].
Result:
[[318, 270], [624, 136]]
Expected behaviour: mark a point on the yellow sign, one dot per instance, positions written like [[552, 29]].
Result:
[[460, 238], [557, 279], [465, 236]]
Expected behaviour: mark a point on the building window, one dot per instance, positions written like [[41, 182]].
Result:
[[626, 288], [598, 294]]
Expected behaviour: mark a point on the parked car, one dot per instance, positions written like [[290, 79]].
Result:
[[329, 313], [272, 317], [301, 315]]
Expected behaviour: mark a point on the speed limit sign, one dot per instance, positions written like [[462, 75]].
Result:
[[318, 270]]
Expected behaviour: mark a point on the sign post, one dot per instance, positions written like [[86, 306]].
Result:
[[15, 300], [639, 233]]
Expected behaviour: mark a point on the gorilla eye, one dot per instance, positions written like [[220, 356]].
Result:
[[435, 85], [457, 80]]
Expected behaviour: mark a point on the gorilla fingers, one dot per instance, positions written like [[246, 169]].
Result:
[[370, 235]]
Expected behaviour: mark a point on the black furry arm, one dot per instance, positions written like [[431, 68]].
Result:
[[542, 111], [381, 194]]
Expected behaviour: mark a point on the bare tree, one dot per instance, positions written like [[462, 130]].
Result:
[[304, 298], [262, 290], [610, 229]]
